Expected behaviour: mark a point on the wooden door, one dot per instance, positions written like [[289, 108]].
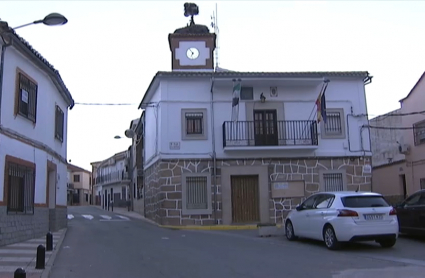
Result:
[[265, 128], [245, 199]]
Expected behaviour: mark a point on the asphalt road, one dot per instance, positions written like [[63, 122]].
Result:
[[97, 246]]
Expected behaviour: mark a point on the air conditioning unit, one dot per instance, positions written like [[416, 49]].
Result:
[[404, 149]]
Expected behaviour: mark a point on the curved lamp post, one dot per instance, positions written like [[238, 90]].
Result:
[[52, 19]]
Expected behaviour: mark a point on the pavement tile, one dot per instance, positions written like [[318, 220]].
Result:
[[23, 255]]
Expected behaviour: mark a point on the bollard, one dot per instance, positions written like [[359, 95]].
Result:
[[112, 206], [20, 273], [40, 260], [49, 241]]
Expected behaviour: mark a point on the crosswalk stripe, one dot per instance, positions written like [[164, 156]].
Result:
[[123, 217], [70, 216], [106, 217], [88, 216]]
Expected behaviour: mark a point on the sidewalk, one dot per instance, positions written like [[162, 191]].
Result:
[[23, 255]]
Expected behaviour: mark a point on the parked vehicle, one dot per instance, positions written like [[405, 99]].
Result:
[[337, 217], [411, 214]]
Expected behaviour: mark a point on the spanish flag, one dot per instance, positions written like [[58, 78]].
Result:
[[321, 104]]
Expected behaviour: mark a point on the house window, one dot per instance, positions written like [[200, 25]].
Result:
[[76, 178], [247, 93], [59, 123], [419, 133], [20, 188], [194, 124], [196, 197], [26, 97], [333, 180], [334, 128]]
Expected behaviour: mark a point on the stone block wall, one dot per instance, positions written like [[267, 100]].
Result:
[[163, 192], [16, 228]]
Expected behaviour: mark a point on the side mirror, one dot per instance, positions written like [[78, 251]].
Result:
[[299, 207]]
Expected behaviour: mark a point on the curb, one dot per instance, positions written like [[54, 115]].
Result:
[[48, 268], [210, 228]]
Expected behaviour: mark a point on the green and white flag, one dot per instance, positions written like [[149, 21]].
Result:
[[235, 100]]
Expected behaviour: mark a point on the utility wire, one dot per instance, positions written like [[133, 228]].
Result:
[[104, 104]]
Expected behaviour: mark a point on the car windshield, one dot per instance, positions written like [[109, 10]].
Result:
[[364, 201]]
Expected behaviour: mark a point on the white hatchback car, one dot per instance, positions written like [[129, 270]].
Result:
[[337, 217]]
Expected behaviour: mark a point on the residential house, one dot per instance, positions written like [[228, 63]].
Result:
[[111, 180], [399, 153], [33, 134], [81, 183], [136, 155], [203, 167]]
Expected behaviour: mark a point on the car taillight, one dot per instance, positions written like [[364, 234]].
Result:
[[347, 213], [393, 211]]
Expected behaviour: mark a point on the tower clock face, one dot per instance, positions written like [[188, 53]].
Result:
[[192, 53]]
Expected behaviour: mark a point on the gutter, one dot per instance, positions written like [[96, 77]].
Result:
[[214, 155]]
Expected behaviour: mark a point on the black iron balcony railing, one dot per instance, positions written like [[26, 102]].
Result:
[[270, 133], [112, 177]]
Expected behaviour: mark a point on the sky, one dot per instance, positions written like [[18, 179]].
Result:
[[109, 51]]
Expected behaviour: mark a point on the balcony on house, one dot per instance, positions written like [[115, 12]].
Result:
[[269, 134], [113, 177]]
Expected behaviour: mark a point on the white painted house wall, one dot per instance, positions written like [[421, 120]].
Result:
[[43, 131], [299, 101]]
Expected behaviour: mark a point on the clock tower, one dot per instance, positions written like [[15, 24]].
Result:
[[192, 47]]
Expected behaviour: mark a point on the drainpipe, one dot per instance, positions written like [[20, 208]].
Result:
[[3, 50], [213, 151]]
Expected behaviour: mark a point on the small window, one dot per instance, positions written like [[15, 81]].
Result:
[[334, 128], [364, 201], [308, 204], [196, 193], [194, 124], [59, 123], [26, 97], [324, 201], [333, 182], [247, 93], [413, 200], [419, 133], [76, 178]]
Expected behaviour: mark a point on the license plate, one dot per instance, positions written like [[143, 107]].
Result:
[[373, 216]]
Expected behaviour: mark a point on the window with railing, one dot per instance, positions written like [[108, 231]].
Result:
[[333, 182], [196, 189], [334, 128], [194, 123], [20, 188], [26, 94]]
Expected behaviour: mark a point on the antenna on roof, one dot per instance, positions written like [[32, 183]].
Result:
[[214, 24]]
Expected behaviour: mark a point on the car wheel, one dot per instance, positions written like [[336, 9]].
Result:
[[329, 237], [388, 243], [289, 231]]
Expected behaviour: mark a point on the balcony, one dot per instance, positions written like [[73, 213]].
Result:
[[270, 135], [113, 177]]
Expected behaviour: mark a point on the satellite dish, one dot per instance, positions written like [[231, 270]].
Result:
[[129, 133]]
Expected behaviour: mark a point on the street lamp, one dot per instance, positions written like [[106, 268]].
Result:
[[129, 133], [52, 19]]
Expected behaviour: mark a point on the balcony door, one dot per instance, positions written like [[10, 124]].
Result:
[[265, 128]]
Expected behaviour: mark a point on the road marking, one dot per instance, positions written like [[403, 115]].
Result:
[[123, 217], [106, 217], [165, 237], [88, 216], [393, 259], [70, 216]]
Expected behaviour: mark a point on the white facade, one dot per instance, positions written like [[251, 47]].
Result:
[[112, 180], [22, 138], [169, 93]]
